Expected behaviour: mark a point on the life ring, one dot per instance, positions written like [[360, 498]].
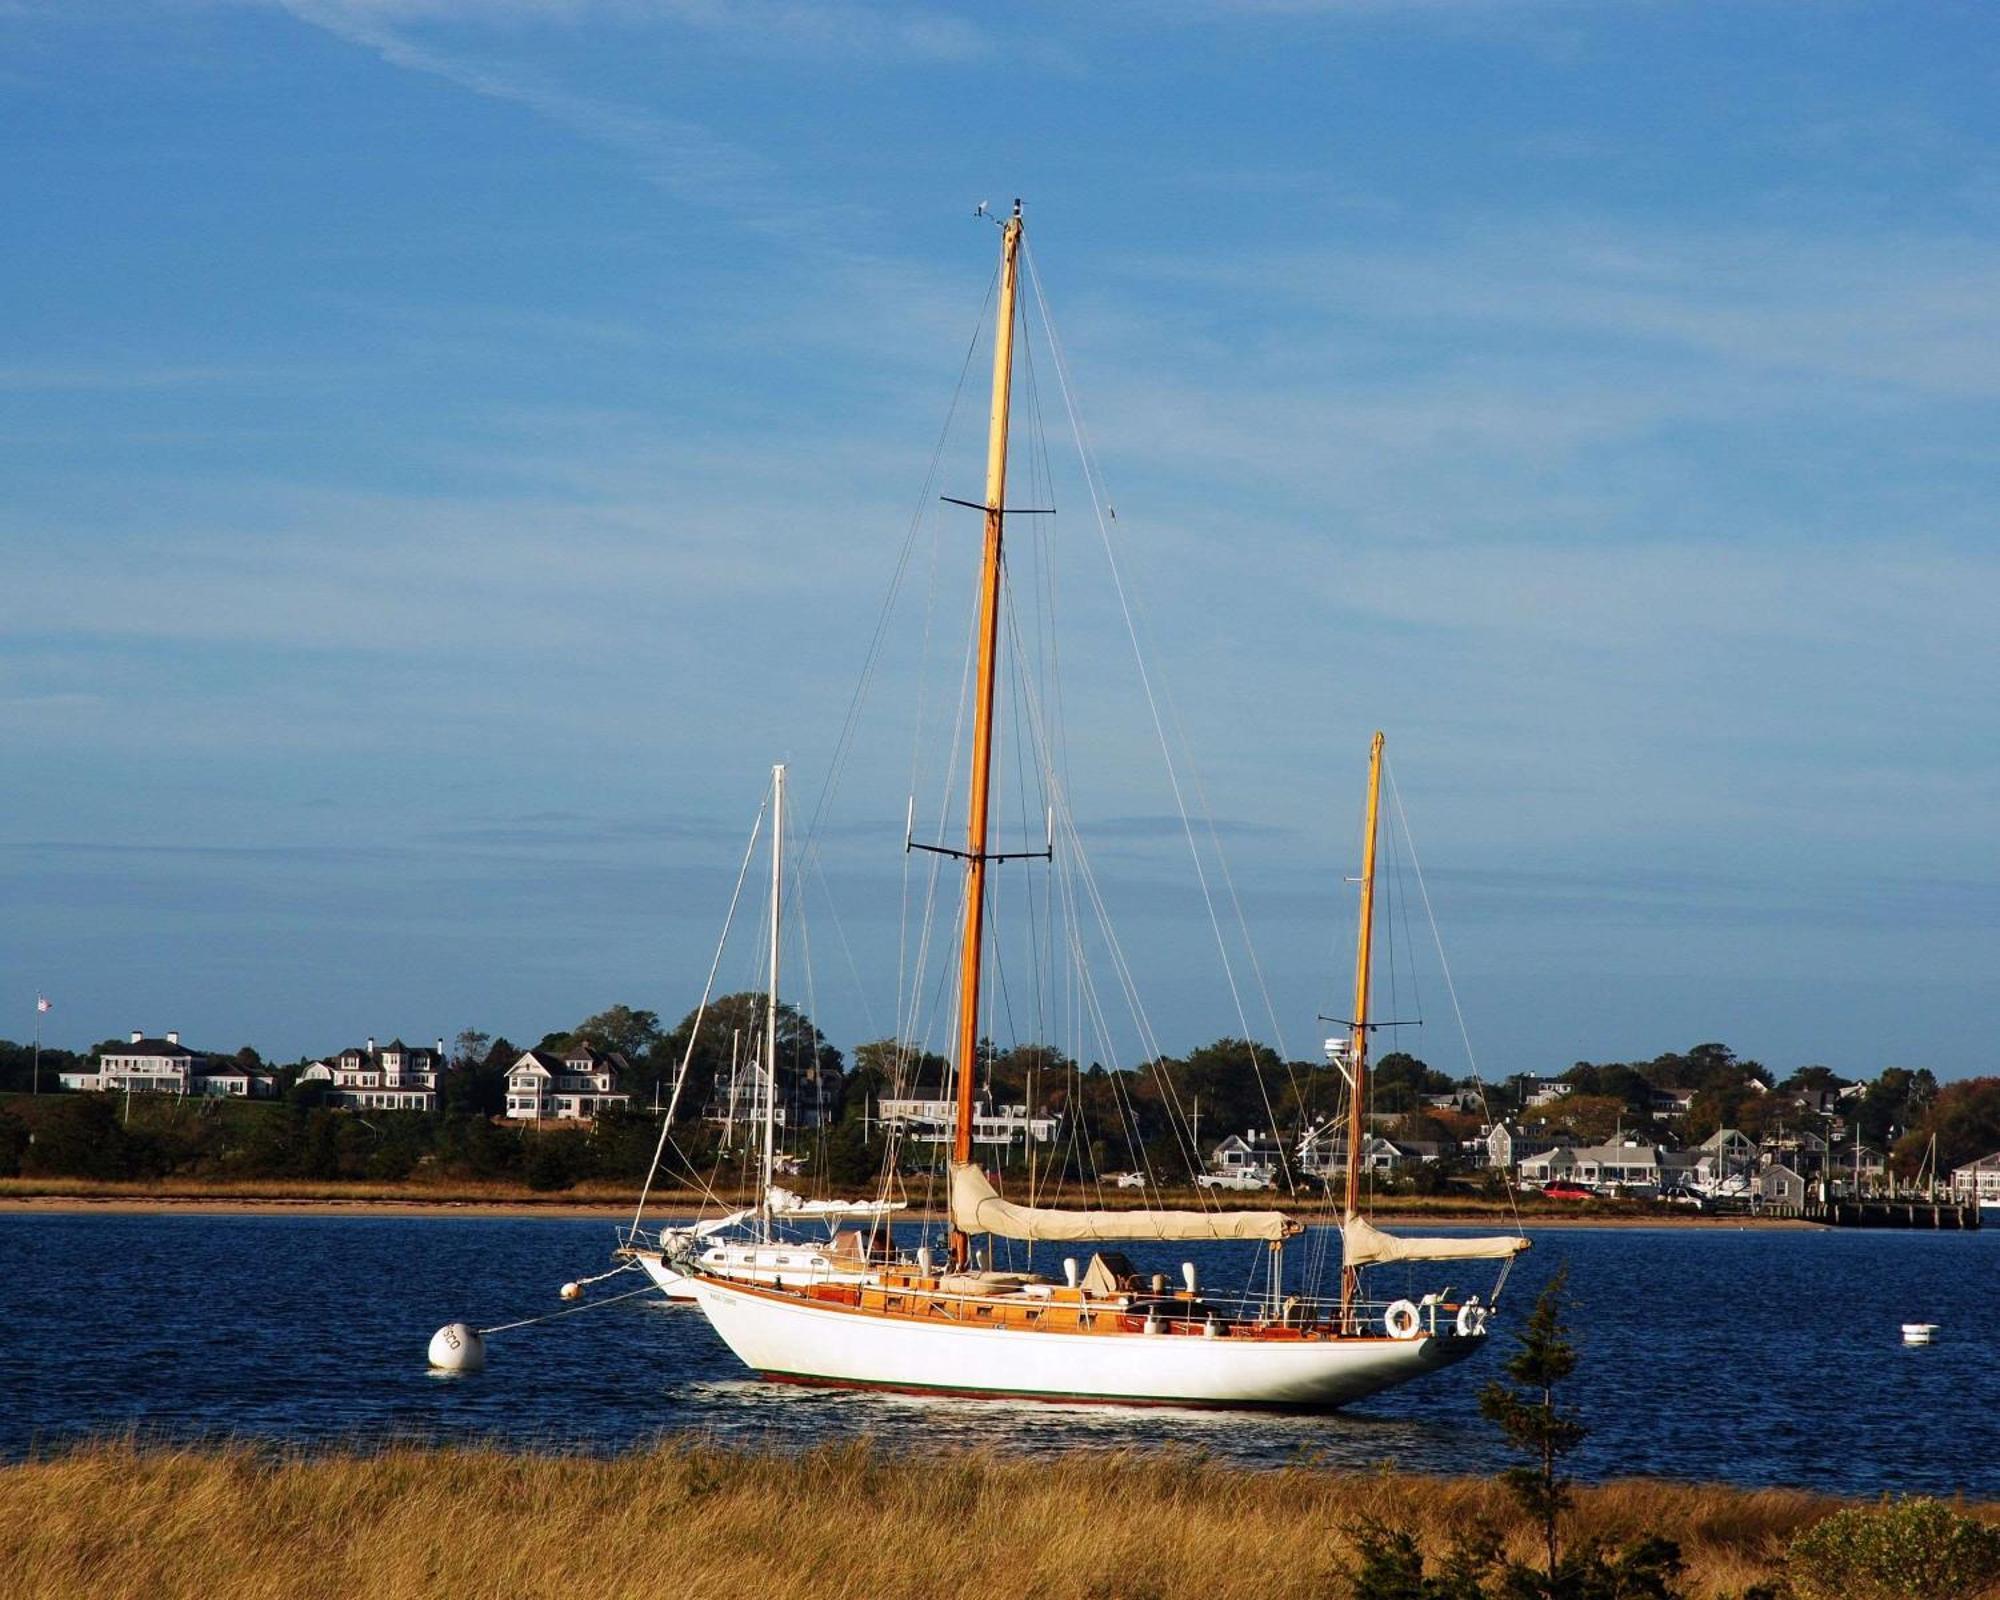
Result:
[[1471, 1320], [1402, 1320]]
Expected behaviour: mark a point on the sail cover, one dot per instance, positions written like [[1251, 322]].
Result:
[[976, 1208], [1363, 1244]]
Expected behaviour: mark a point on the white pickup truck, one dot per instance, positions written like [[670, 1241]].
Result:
[[1234, 1180]]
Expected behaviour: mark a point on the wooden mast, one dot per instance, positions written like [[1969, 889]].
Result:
[[1357, 1049], [966, 1057]]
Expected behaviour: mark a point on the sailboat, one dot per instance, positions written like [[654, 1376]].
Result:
[[1104, 1334], [748, 1245]]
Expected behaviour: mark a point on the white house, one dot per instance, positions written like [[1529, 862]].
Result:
[[166, 1066], [397, 1077], [1322, 1153], [1725, 1154], [1978, 1181], [932, 1121], [1245, 1155], [573, 1084], [1629, 1164]]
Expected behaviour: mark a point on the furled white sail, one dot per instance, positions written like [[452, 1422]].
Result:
[[784, 1203], [1363, 1244], [976, 1208]]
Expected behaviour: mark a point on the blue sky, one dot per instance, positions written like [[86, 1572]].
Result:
[[449, 450]]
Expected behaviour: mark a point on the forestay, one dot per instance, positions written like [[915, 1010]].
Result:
[[977, 1208], [1363, 1244]]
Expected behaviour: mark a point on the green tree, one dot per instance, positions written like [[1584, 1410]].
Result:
[[1532, 1421]]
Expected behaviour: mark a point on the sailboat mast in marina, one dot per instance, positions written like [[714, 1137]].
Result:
[[748, 1243], [1109, 1333]]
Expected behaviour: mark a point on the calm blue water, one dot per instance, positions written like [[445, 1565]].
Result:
[[1757, 1357]]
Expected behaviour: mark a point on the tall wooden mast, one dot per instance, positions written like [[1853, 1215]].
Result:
[[1357, 1049], [966, 1058]]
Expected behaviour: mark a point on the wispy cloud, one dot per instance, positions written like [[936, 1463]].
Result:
[[678, 155]]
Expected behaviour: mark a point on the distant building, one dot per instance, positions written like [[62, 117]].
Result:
[[166, 1066], [1629, 1164], [1246, 1155], [1723, 1155], [808, 1099], [1780, 1185], [1670, 1102], [397, 1077], [932, 1121], [573, 1084], [1322, 1153], [1978, 1181]]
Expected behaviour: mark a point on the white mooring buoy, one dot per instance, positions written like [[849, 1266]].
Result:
[[1920, 1332], [571, 1291], [458, 1347]]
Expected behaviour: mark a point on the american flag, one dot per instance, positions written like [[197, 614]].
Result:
[[44, 1003]]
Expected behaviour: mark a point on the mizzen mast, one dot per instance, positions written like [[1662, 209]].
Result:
[[1357, 1049], [966, 1057]]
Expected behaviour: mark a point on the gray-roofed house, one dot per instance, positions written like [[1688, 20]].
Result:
[[568, 1085]]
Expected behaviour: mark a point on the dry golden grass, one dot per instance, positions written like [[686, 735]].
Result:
[[691, 1518]]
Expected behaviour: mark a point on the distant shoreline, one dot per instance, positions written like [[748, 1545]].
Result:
[[18, 1199]]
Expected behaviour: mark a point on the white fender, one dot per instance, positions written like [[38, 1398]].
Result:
[[1471, 1320], [1402, 1320]]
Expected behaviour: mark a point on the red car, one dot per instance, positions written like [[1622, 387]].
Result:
[[1562, 1190]]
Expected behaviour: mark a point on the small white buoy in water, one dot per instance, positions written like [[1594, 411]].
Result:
[[1919, 1332], [458, 1347], [572, 1291]]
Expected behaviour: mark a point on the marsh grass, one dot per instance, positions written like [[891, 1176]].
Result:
[[689, 1517]]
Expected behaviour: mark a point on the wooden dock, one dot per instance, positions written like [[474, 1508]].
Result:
[[1942, 1215]]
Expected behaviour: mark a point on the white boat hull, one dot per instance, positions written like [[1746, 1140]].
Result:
[[795, 1340]]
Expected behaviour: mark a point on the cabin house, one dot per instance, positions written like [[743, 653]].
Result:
[[397, 1077], [1977, 1181], [144, 1065], [570, 1085], [1780, 1185]]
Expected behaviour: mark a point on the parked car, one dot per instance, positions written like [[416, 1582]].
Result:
[[1563, 1189], [1128, 1180], [1233, 1180]]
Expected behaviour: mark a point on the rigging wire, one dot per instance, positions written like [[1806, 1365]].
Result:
[[1099, 503], [1451, 989]]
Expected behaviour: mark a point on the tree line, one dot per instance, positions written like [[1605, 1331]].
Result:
[[1159, 1116]]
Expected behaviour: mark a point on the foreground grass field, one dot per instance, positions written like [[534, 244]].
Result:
[[691, 1519]]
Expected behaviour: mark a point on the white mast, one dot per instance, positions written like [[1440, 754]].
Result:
[[771, 998]]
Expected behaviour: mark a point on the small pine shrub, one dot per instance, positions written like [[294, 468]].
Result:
[[1913, 1549]]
